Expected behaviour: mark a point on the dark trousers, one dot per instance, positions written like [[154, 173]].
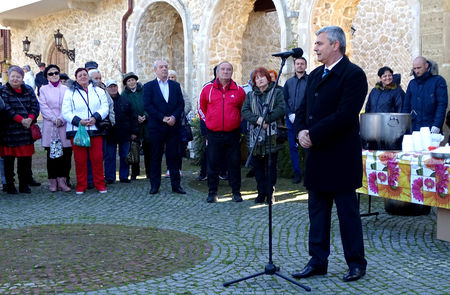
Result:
[[135, 168], [171, 141], [319, 208], [23, 170], [59, 167], [259, 165], [224, 146]]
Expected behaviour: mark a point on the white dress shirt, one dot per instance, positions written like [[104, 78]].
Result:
[[164, 86]]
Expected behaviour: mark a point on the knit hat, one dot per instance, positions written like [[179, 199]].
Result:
[[128, 76]]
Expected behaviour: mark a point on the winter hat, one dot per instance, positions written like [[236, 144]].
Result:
[[128, 76], [91, 65]]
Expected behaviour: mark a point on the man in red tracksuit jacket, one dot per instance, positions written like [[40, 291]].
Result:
[[220, 108]]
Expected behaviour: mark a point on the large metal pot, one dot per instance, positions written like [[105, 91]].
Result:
[[384, 131]]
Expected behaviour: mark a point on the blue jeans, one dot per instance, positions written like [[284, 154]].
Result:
[[293, 148], [110, 160]]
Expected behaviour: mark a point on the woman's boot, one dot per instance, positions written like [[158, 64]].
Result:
[[62, 186], [53, 185]]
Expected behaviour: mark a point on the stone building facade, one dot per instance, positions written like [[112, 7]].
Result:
[[195, 35]]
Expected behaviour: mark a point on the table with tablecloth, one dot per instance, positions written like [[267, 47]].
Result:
[[414, 177]]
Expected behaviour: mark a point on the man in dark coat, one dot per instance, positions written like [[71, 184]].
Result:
[[124, 130], [40, 79], [426, 98], [164, 103], [327, 124]]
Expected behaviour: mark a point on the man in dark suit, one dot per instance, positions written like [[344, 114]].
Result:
[[327, 125], [164, 103]]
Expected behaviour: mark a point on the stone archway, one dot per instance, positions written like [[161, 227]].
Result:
[[225, 33], [261, 38], [160, 36], [174, 24]]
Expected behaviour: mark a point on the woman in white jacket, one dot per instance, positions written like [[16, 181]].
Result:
[[87, 105]]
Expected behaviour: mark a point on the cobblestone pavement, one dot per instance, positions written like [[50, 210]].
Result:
[[404, 256]]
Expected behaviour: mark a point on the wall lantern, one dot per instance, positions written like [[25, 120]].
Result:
[[26, 48], [58, 42]]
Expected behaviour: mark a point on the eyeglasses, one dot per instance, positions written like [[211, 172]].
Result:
[[53, 73]]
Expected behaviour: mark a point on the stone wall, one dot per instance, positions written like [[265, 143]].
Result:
[[80, 29], [261, 39], [225, 38], [333, 12], [383, 37], [156, 34]]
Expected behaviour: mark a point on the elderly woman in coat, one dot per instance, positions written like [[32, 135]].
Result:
[[54, 127], [85, 104], [21, 111], [252, 111]]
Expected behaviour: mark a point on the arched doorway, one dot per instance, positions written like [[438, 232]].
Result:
[[261, 38], [160, 35], [57, 58]]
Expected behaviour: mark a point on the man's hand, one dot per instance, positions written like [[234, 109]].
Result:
[[259, 121], [27, 123], [169, 120], [303, 139], [435, 129], [141, 119]]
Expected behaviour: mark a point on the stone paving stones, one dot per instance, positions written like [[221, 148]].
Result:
[[403, 253]]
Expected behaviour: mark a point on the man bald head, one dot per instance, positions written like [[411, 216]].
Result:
[[420, 66]]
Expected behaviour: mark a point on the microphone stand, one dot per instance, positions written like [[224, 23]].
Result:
[[270, 268]]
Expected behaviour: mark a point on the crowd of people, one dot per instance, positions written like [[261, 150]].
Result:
[[321, 112]]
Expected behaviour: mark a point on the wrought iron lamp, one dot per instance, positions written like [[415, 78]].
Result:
[[58, 42], [26, 48]]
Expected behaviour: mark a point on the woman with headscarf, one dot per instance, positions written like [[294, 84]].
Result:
[[21, 111], [54, 127], [265, 143], [87, 105]]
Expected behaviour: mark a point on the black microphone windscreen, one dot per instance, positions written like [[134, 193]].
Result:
[[297, 52]]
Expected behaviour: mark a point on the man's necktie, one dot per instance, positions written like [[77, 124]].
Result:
[[325, 72]]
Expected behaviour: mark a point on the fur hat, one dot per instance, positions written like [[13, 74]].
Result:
[[128, 76]]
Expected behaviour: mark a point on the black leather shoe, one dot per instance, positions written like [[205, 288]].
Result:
[[212, 198], [310, 271], [25, 189], [11, 189], [125, 180], [260, 199], [33, 182], [354, 274], [237, 198], [179, 190], [153, 191]]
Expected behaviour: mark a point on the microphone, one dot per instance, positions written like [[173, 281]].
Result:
[[295, 53]]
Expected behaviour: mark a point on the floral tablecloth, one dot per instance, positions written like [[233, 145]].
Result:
[[410, 177]]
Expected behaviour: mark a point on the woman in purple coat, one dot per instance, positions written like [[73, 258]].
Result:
[[54, 127]]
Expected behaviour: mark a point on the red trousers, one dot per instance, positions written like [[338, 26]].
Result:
[[96, 156]]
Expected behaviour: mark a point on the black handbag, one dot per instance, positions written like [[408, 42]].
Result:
[[104, 125]]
